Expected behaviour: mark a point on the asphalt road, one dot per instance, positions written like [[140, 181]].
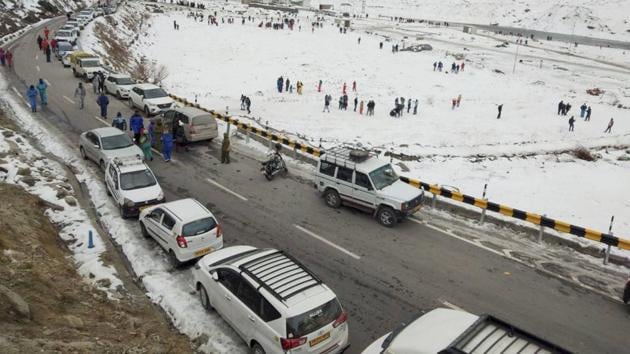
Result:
[[382, 276]]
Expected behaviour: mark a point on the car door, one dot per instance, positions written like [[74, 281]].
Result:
[[111, 178], [153, 221], [93, 146], [224, 297], [166, 236], [362, 190], [136, 96], [248, 316], [344, 182], [110, 84]]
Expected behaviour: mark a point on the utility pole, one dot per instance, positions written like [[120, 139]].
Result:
[[515, 58]]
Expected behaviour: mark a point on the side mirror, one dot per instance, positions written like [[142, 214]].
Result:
[[97, 146], [215, 276]]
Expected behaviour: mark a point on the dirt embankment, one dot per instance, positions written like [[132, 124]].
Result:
[[45, 306]]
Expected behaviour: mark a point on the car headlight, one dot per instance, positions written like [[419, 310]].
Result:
[[128, 202], [404, 205], [160, 196]]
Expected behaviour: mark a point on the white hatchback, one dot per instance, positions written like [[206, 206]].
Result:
[[184, 228]]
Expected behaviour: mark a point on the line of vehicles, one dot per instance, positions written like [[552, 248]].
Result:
[[274, 302]]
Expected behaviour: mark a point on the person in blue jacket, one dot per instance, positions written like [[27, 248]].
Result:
[[43, 95], [32, 93], [135, 124], [167, 144], [103, 101]]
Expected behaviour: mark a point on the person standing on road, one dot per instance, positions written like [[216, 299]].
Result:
[[103, 101], [180, 137], [101, 81], [167, 144], [43, 95], [610, 125], [80, 93], [135, 124], [499, 109], [95, 83], [31, 93], [226, 146], [9, 58], [119, 122], [39, 41], [145, 145], [48, 51], [571, 124]]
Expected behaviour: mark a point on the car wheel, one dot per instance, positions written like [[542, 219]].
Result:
[[331, 197], [122, 212], [109, 193], [130, 102], [146, 111], [144, 231], [101, 164], [257, 349], [119, 95], [172, 258], [83, 155], [203, 297], [386, 217]]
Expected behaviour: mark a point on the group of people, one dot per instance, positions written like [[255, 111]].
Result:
[[285, 84], [455, 68], [399, 107], [246, 104], [45, 45], [585, 113], [564, 108], [40, 90], [6, 57]]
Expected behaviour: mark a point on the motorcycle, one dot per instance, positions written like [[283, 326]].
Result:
[[273, 165], [626, 292]]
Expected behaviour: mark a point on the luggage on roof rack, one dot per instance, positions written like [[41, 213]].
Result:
[[346, 156]]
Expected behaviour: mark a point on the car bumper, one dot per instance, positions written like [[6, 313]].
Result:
[[185, 254], [124, 94], [135, 209]]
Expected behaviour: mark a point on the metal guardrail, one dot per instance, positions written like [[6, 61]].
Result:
[[437, 190]]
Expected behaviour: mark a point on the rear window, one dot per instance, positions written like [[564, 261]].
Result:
[[314, 319], [199, 227], [205, 119]]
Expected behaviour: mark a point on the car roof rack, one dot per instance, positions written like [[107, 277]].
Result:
[[280, 274], [346, 156], [128, 160], [491, 335]]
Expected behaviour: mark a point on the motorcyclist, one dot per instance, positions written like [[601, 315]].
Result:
[[274, 161]]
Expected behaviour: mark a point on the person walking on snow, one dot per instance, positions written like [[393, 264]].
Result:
[[343, 89], [415, 107], [327, 99], [319, 86], [461, 68], [588, 114], [356, 101], [361, 108], [43, 95], [145, 145], [459, 99], [31, 93], [226, 146], [560, 108], [119, 122], [610, 125], [80, 93], [583, 108], [434, 65], [571, 124], [167, 144], [286, 85], [499, 109], [102, 102], [454, 103], [280, 84], [354, 86], [135, 124]]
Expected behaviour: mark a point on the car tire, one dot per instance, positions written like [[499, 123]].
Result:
[[120, 97], [257, 349], [146, 111], [331, 197], [143, 230], [386, 217], [83, 155], [122, 212], [172, 258], [101, 165], [130, 103], [109, 193], [204, 299]]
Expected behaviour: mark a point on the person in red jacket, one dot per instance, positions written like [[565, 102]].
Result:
[[46, 32], [53, 44], [8, 56], [44, 44]]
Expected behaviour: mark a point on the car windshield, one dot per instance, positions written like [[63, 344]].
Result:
[[63, 34], [383, 176], [90, 63], [204, 119], [314, 319], [137, 179], [114, 142], [199, 227], [155, 93], [64, 46], [125, 81]]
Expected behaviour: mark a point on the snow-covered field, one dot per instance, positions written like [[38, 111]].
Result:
[[523, 156]]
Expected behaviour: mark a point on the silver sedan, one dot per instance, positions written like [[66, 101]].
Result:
[[103, 144]]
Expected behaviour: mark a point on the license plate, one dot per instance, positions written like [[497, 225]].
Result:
[[203, 251], [316, 341], [143, 207]]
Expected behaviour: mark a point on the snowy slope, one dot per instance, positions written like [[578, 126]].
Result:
[[609, 19], [15, 14]]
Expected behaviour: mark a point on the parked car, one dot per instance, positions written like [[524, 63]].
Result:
[[451, 331], [132, 184], [364, 181], [103, 144], [150, 98], [84, 20], [119, 85], [184, 228], [63, 48], [272, 301], [75, 24], [85, 65], [65, 59], [198, 125], [67, 36]]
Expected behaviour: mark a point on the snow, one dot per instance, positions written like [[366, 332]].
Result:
[[525, 156], [171, 289]]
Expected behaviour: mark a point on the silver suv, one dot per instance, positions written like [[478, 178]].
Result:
[[359, 179]]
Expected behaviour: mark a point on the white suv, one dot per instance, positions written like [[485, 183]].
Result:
[[272, 301], [452, 331], [150, 98], [132, 184], [119, 85], [356, 178], [184, 228]]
